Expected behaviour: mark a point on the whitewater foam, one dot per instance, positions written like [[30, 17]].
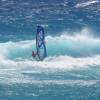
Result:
[[61, 62]]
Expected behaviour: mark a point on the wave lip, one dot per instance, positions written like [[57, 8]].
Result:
[[82, 44]]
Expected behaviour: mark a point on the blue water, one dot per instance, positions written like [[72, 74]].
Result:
[[72, 69]]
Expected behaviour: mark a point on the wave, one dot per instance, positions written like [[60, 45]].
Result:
[[64, 51], [82, 44], [79, 5]]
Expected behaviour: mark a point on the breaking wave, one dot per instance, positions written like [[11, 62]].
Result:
[[82, 44], [64, 51]]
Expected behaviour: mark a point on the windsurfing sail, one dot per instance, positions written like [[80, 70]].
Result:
[[40, 43]]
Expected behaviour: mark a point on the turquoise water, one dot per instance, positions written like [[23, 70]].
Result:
[[71, 70]]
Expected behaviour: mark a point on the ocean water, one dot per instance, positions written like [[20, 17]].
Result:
[[71, 70]]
